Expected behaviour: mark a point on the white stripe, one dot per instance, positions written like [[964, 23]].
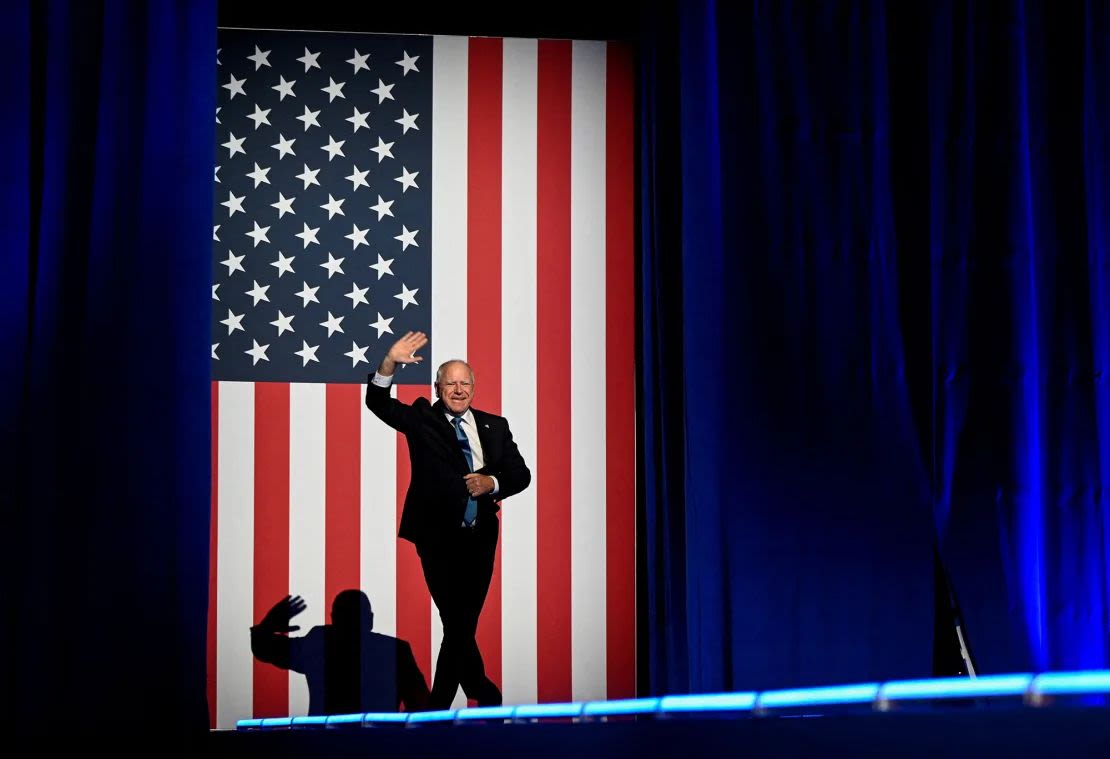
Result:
[[307, 492], [518, 367], [449, 206], [587, 330], [450, 56], [235, 554], [378, 510]]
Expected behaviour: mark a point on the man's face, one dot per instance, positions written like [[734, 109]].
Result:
[[456, 389]]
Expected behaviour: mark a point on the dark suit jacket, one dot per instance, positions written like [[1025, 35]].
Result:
[[436, 498]]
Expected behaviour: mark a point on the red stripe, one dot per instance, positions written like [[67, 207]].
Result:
[[484, 278], [414, 603], [271, 531], [553, 358], [620, 423], [212, 534], [342, 497]]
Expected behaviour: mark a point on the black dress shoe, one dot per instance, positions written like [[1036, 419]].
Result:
[[490, 695]]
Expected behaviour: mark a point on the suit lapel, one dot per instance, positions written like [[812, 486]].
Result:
[[485, 436], [447, 431]]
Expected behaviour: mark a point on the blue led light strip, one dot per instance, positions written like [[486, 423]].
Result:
[[837, 694], [1067, 683], [956, 687], [1030, 687]]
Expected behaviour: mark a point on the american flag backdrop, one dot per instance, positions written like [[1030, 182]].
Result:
[[480, 190]]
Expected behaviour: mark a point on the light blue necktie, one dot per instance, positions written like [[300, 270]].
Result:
[[464, 443]]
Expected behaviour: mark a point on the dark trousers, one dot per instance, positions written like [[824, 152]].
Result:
[[458, 572]]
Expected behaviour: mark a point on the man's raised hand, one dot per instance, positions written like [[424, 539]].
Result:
[[278, 617], [404, 350]]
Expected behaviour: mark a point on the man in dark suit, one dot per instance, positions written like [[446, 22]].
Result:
[[464, 462], [350, 669]]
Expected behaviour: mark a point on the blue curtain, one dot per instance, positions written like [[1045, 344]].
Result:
[[875, 332], [108, 148]]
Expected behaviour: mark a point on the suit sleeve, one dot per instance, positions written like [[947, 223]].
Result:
[[272, 648], [400, 416], [512, 474]]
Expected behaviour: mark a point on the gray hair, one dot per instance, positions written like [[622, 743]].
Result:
[[445, 364]]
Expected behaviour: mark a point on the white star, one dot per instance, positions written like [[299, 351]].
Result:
[[408, 63], [307, 353], [383, 91], [407, 179], [233, 203], [284, 147], [234, 263], [259, 234], [283, 323], [214, 347], [259, 175], [357, 354], [259, 117], [357, 237], [309, 60], [358, 119], [233, 322], [383, 150], [234, 145], [218, 61], [359, 61], [333, 265], [357, 295], [284, 205], [407, 121], [215, 237], [258, 292], [333, 148], [407, 238], [214, 296], [382, 324], [309, 118], [284, 88], [333, 207], [216, 174], [218, 114], [308, 294], [358, 178], [332, 324], [334, 89], [309, 235], [283, 264], [258, 352], [308, 176], [259, 58], [235, 87], [382, 266], [407, 296], [382, 207]]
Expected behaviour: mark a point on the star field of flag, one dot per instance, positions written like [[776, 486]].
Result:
[[322, 228]]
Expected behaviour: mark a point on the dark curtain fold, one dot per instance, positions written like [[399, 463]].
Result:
[[662, 566], [890, 273], [106, 397]]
